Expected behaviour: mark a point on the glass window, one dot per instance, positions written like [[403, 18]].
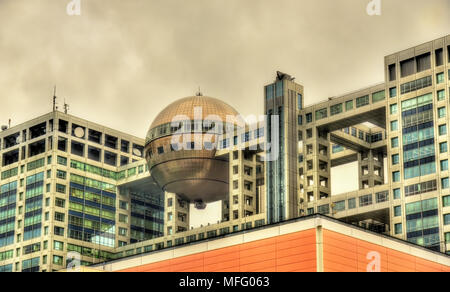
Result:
[[394, 125], [378, 96], [397, 194], [440, 78], [336, 109], [396, 176], [393, 109], [397, 211], [362, 101], [394, 142], [441, 95], [444, 183], [395, 159], [62, 160], [321, 114], [442, 130], [443, 147], [444, 165], [441, 112], [393, 92], [309, 118], [446, 201], [447, 219], [349, 105], [398, 228], [352, 203]]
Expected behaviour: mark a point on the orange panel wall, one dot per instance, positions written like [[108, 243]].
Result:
[[343, 253], [294, 252]]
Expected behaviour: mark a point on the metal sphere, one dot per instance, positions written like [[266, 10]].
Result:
[[197, 174]]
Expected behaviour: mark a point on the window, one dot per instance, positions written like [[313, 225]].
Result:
[[324, 209], [442, 130], [443, 147], [59, 217], [392, 72], [123, 205], [378, 96], [362, 101], [123, 231], [352, 203], [365, 200], [395, 159], [394, 125], [415, 85], [398, 228], [60, 188], [444, 183], [447, 219], [393, 109], [393, 92], [397, 211], [439, 57], [349, 105], [336, 109], [300, 120], [299, 101], [123, 218], [407, 67], [441, 112], [441, 95], [62, 160], [60, 202], [61, 174], [321, 114], [420, 188], [59, 231], [58, 260], [446, 201], [444, 165], [397, 194], [396, 176], [440, 78], [58, 245], [308, 117], [77, 148], [423, 62], [394, 142]]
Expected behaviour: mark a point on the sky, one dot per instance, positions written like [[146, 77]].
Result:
[[120, 62]]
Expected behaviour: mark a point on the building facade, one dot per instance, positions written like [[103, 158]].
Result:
[[71, 187]]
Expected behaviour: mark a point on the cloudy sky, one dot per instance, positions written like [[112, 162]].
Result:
[[120, 62]]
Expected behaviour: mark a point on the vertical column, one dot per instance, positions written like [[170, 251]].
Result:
[[371, 169], [177, 214]]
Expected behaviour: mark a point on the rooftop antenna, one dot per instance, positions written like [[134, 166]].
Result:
[[66, 106], [199, 92], [54, 99]]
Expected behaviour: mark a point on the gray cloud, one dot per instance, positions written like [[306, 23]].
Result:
[[121, 62]]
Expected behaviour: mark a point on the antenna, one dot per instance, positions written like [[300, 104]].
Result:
[[199, 92], [66, 106], [54, 99]]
